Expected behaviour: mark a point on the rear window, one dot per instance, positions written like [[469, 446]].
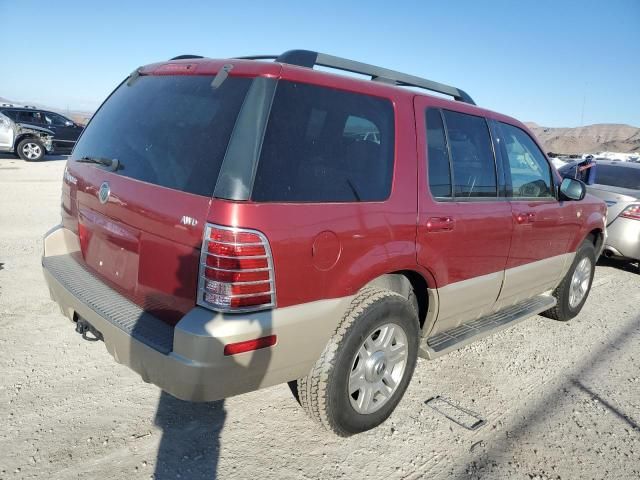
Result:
[[325, 145], [618, 176], [170, 131]]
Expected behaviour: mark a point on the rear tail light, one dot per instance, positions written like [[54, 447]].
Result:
[[236, 270], [632, 211]]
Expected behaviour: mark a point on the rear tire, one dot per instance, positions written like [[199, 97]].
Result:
[[366, 366], [30, 150], [573, 291]]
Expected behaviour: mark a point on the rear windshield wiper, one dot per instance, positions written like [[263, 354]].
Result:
[[110, 163]]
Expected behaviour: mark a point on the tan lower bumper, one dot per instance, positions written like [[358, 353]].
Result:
[[196, 369]]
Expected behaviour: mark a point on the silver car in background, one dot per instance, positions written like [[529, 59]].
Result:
[[29, 142], [618, 184]]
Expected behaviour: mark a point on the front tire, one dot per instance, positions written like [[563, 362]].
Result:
[[366, 366], [574, 289], [30, 150]]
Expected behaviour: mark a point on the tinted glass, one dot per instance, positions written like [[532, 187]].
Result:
[[12, 114], [474, 170], [167, 130], [618, 176], [55, 119], [325, 145], [437, 155], [34, 118], [530, 171]]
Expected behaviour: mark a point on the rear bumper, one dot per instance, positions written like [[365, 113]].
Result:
[[624, 238], [188, 361]]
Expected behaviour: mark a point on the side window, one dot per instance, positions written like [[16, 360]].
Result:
[[437, 156], [474, 169], [12, 114], [530, 171], [325, 145], [55, 119], [33, 118]]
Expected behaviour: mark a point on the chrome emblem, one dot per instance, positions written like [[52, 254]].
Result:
[[188, 221], [104, 192]]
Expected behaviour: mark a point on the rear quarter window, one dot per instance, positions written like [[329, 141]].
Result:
[[325, 145]]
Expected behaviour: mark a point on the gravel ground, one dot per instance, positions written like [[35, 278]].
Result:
[[561, 400]]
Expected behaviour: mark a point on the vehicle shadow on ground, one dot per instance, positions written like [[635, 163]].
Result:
[[190, 443], [625, 265]]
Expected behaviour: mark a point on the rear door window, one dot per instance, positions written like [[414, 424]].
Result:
[[530, 171], [167, 130], [474, 168], [33, 118], [325, 145]]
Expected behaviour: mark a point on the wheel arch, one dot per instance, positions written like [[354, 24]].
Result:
[[23, 136], [411, 284], [596, 236]]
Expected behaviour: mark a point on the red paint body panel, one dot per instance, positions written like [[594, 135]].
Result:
[[545, 231], [478, 243], [135, 242], [374, 237], [321, 250]]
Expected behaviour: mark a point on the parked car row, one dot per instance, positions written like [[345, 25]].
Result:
[[618, 184], [31, 133]]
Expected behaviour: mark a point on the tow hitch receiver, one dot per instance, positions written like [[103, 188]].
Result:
[[87, 331]]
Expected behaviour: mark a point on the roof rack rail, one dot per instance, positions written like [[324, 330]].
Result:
[[308, 58], [185, 57]]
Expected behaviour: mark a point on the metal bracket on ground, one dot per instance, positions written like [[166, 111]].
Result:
[[457, 414]]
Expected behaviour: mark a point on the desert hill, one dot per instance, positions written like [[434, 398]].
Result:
[[588, 139]]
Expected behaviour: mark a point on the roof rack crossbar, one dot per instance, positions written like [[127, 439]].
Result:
[[308, 58], [185, 57]]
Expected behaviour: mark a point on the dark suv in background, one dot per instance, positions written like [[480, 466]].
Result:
[[66, 131]]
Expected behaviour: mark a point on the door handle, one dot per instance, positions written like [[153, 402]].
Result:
[[525, 217], [440, 224]]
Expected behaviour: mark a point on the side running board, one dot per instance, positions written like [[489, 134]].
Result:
[[457, 337]]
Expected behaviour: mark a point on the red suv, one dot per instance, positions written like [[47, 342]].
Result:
[[228, 225]]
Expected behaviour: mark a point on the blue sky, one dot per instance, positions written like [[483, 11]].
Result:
[[536, 60]]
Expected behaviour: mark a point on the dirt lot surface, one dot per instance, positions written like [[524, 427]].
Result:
[[561, 400]]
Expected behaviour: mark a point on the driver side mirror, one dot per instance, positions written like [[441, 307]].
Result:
[[572, 189], [69, 123]]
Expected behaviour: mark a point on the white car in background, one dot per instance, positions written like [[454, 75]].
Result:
[[29, 142]]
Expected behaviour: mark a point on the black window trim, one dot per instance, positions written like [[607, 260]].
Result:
[[507, 168], [501, 187], [443, 198]]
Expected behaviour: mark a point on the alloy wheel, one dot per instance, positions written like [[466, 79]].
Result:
[[31, 150], [580, 282], [377, 368]]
